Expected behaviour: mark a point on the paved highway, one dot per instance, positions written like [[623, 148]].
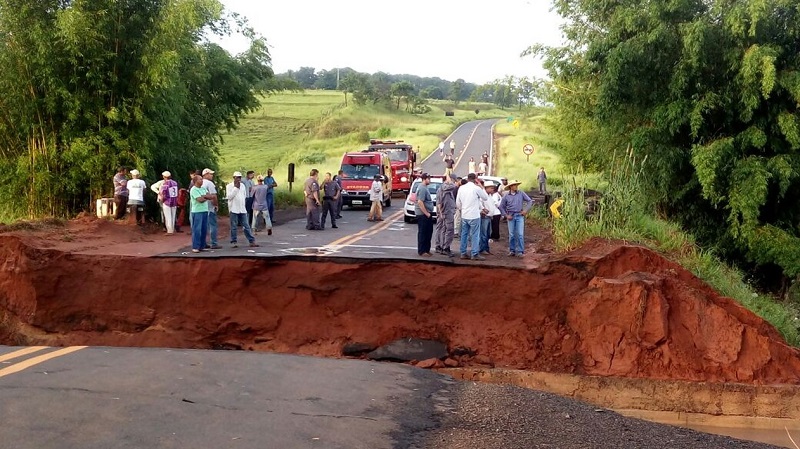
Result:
[[84, 398], [391, 239]]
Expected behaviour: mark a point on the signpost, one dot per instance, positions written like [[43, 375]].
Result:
[[528, 150]]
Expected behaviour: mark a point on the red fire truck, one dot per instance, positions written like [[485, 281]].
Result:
[[402, 157]]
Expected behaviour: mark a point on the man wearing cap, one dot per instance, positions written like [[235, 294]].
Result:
[[168, 198], [514, 206], [330, 198], [469, 200], [489, 211], [260, 206], [376, 196], [445, 211], [120, 193], [208, 184], [201, 200], [248, 184], [136, 188], [423, 209], [311, 192], [237, 200]]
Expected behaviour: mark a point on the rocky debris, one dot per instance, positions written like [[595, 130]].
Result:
[[430, 364], [483, 360], [450, 363], [407, 349], [462, 351], [357, 349]]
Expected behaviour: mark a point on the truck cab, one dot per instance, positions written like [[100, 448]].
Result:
[[358, 172], [402, 158]]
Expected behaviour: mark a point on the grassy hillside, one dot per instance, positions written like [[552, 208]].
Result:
[[313, 129]]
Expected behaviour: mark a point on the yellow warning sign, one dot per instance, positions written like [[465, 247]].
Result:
[[515, 123]]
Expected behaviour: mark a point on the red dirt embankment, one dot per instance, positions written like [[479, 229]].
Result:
[[602, 310]]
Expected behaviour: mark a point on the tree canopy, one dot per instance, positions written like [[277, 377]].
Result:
[[708, 91], [88, 85]]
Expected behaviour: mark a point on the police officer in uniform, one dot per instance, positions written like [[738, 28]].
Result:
[[311, 190]]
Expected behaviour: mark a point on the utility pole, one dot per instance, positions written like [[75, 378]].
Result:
[[337, 78]]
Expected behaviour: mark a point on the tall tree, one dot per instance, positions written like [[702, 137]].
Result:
[[92, 84], [457, 90], [401, 90], [707, 91]]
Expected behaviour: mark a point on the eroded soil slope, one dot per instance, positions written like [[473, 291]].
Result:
[[603, 310]]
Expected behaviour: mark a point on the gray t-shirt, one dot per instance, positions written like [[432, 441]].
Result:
[[259, 193], [424, 195]]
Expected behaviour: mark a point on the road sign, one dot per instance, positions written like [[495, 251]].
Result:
[[528, 150], [515, 123]]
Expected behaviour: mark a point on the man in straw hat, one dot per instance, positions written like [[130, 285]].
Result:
[[514, 206]]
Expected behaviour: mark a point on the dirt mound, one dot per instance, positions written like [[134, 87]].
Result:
[[606, 310]]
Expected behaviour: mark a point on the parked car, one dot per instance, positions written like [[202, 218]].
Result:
[[496, 180], [409, 216]]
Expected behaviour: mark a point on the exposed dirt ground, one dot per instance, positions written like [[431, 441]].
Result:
[[604, 309]]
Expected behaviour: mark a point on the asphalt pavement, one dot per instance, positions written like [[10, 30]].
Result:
[[159, 398]]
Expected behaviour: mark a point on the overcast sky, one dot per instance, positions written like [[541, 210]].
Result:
[[445, 38]]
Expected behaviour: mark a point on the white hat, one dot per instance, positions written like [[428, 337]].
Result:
[[237, 174], [166, 174], [207, 171], [134, 172]]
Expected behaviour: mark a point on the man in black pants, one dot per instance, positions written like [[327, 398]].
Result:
[[330, 200], [424, 210]]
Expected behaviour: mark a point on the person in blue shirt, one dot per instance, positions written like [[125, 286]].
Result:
[[269, 181], [514, 206]]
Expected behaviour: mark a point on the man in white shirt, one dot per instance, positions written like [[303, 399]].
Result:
[[376, 196], [235, 193], [469, 200], [136, 188], [208, 184]]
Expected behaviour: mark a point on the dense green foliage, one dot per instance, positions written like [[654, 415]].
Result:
[[706, 93], [88, 85]]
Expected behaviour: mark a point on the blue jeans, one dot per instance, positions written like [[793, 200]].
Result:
[[470, 231], [516, 234], [212, 227], [241, 220], [199, 229], [486, 228], [271, 206], [424, 234]]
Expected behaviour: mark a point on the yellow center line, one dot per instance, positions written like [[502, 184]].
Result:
[[37, 360], [466, 145], [21, 352], [372, 230]]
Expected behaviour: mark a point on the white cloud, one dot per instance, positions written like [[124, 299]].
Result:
[[478, 42]]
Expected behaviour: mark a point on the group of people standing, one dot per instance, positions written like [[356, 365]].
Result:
[[129, 194], [478, 209], [251, 206], [322, 200]]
